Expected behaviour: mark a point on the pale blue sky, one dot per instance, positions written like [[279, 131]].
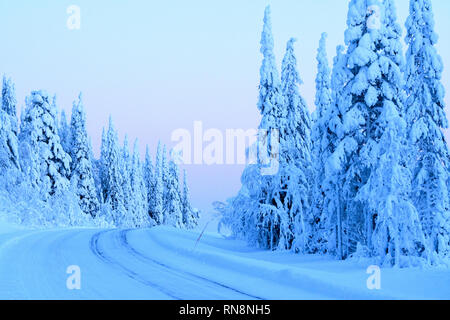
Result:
[[157, 66]]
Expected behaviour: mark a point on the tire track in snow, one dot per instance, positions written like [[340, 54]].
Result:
[[124, 242], [96, 249]]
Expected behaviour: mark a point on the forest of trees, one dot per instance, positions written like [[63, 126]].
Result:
[[367, 175], [49, 176]]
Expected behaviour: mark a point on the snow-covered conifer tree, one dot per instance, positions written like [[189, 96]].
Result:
[[372, 134], [158, 204], [112, 175], [150, 182], [139, 208], [190, 216], [43, 159], [81, 168], [174, 214], [263, 213], [125, 165], [320, 145], [64, 130], [9, 152], [165, 178], [332, 218], [9, 103], [294, 176], [268, 210], [426, 119]]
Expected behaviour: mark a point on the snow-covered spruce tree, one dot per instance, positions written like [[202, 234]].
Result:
[[125, 165], [43, 158], [112, 175], [81, 167], [139, 207], [333, 217], [259, 213], [102, 165], [9, 152], [96, 165], [372, 133], [294, 176], [9, 102], [64, 130], [426, 118], [174, 214], [150, 182], [165, 179], [270, 215], [320, 144], [158, 196], [190, 216], [355, 106], [9, 155]]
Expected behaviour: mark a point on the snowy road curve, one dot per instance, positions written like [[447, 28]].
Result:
[[165, 263]]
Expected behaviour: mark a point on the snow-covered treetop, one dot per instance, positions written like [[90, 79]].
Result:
[[290, 77], [270, 80], [323, 81], [9, 97], [424, 68]]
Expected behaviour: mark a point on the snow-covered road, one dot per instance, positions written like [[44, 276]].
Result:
[[165, 263]]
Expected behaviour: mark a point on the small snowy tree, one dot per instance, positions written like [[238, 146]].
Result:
[[64, 130], [190, 216], [9, 103], [44, 160], [150, 183], [159, 194], [426, 118], [139, 208], [125, 165], [397, 238], [174, 214], [81, 169]]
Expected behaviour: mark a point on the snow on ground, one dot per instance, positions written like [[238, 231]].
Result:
[[165, 263]]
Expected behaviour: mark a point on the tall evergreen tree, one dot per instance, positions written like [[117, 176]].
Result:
[[139, 208], [332, 218], [81, 168], [294, 176], [9, 152], [393, 228], [158, 205], [125, 165], [44, 160], [112, 175], [320, 143], [150, 183], [271, 207], [426, 119], [174, 214], [368, 153], [102, 166], [268, 209], [9, 102], [165, 182]]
